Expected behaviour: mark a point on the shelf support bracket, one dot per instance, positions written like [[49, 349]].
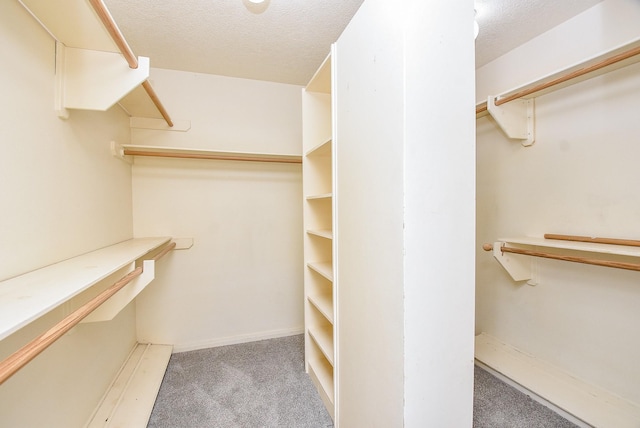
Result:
[[93, 80], [516, 118], [517, 265]]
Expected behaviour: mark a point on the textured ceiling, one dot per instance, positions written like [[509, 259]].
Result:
[[506, 24], [286, 40]]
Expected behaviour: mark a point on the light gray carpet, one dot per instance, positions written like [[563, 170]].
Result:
[[250, 385], [498, 405], [263, 385]]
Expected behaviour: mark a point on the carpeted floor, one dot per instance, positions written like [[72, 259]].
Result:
[[257, 384], [263, 384], [498, 405]]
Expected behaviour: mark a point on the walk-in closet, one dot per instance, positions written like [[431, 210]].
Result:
[[330, 229]]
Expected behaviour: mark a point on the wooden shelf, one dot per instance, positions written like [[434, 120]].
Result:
[[620, 250], [323, 196], [323, 268], [324, 303], [323, 336], [519, 265], [593, 405], [27, 297], [323, 233], [176, 152], [321, 374], [321, 80], [92, 73], [322, 149]]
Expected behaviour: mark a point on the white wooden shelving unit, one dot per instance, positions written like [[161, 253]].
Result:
[[319, 243]]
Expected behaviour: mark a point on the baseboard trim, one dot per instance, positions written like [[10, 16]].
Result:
[[234, 340], [131, 396], [555, 388]]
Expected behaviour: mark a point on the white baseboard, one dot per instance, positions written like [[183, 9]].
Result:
[[131, 396], [234, 340], [587, 404]]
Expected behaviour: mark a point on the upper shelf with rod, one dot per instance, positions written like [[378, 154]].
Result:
[[509, 251], [514, 109], [95, 67]]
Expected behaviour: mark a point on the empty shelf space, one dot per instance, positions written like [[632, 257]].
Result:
[[323, 336], [322, 149], [323, 303], [323, 233], [323, 268], [593, 405], [26, 297], [321, 374]]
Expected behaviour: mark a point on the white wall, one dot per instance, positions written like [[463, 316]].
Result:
[[405, 207], [62, 194], [580, 177], [242, 280]]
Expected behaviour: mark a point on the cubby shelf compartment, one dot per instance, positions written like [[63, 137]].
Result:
[[519, 266], [322, 196], [322, 233], [323, 303], [323, 268], [323, 336], [321, 373], [593, 405], [322, 149], [27, 297]]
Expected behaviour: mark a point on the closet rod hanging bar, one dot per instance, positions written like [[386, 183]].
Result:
[[129, 152], [113, 30], [14, 362], [10, 365], [564, 78], [583, 260], [164, 251], [611, 241]]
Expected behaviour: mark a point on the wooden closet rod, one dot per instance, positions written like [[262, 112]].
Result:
[[564, 78], [14, 362], [17, 360], [209, 156], [584, 260], [612, 241], [113, 30]]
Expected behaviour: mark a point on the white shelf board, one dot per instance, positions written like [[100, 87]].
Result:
[[323, 336], [323, 233], [620, 250], [321, 374], [205, 152], [130, 399], [586, 402], [27, 297], [321, 80], [324, 304], [322, 196], [322, 149], [323, 268]]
